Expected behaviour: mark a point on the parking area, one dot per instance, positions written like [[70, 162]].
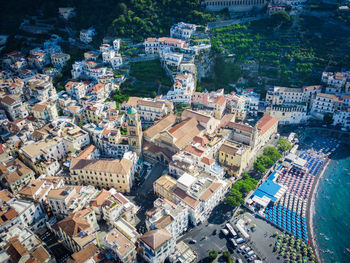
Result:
[[262, 240], [208, 236]]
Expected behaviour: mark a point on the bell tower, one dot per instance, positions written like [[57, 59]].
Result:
[[134, 130]]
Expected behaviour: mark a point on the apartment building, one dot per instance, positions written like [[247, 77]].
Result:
[[123, 250], [60, 59], [157, 45], [23, 234], [325, 103], [13, 86], [156, 245], [200, 195], [38, 58], [282, 96], [151, 110], [86, 35], [234, 157], [16, 175], [182, 30], [164, 187], [20, 213], [182, 90], [108, 140], [117, 206], [76, 231], [90, 69], [76, 90], [74, 137], [45, 111], [18, 252], [40, 88], [13, 106], [336, 82], [43, 156], [342, 118], [37, 191], [169, 216], [289, 114], [266, 128], [66, 200], [88, 254]]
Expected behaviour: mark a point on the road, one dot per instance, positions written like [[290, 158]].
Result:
[[60, 252], [144, 197]]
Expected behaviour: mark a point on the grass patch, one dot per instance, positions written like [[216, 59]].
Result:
[[147, 79]]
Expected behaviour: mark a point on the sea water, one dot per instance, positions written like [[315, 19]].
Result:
[[332, 209]]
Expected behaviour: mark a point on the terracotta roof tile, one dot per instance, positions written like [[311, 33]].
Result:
[[265, 123]]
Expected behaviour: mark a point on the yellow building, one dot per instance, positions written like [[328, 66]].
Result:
[[103, 173], [235, 157], [164, 187]]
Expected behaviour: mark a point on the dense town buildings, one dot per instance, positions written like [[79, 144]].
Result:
[[75, 163]]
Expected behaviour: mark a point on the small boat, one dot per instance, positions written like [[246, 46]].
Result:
[[327, 179], [348, 249]]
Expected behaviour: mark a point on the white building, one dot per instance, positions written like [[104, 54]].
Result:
[[116, 44], [156, 245], [283, 95], [88, 69], [87, 34], [21, 213], [59, 59], [169, 216], [182, 30], [294, 114], [183, 88], [41, 88], [173, 59], [200, 195], [151, 110], [325, 103], [158, 45], [13, 106], [342, 118], [76, 90]]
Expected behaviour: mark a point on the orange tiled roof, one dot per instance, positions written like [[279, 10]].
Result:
[[265, 123]]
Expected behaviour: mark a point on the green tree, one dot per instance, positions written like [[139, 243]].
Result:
[[272, 153], [280, 18], [258, 167], [283, 145], [213, 254], [234, 199], [265, 161], [328, 118], [227, 256]]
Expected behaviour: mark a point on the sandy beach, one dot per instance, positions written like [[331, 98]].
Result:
[[311, 211]]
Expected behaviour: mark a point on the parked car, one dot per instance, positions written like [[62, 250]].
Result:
[[240, 240], [252, 258], [224, 231], [193, 241], [249, 254]]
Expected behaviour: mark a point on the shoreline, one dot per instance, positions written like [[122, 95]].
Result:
[[311, 211]]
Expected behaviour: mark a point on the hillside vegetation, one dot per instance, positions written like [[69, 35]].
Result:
[[133, 19]]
